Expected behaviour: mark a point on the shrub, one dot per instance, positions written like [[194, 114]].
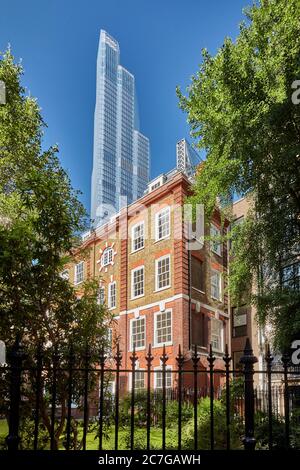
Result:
[[140, 410], [204, 421]]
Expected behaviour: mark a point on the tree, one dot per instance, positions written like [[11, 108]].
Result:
[[241, 112], [40, 221]]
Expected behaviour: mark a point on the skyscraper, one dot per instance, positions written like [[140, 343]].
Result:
[[187, 159], [121, 152]]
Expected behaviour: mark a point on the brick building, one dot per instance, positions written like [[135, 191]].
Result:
[[243, 318], [161, 292]]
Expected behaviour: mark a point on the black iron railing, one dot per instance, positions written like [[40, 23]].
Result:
[[68, 399]]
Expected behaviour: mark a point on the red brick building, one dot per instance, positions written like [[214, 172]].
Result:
[[161, 292]]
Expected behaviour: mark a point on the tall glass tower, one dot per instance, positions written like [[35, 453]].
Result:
[[121, 153]]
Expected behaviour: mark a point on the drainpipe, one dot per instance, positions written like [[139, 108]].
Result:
[[190, 298]]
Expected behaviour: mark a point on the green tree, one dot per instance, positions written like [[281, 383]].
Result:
[[40, 221], [241, 112]]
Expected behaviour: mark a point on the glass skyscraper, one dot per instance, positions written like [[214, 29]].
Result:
[[121, 153]]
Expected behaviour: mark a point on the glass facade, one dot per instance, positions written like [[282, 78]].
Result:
[[121, 153], [187, 157]]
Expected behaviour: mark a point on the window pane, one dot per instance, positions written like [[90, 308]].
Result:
[[107, 257], [239, 316], [215, 243], [138, 237], [159, 378], [215, 281], [138, 333], [163, 273], [138, 282], [79, 272], [197, 273], [101, 296], [164, 327], [139, 380], [163, 224], [112, 295], [216, 334]]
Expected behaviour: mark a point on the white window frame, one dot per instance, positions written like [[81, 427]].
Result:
[[65, 274], [242, 317], [133, 238], [110, 256], [221, 335], [132, 320], [110, 386], [142, 267], [101, 288], [213, 272], [165, 209], [76, 282], [137, 369], [167, 343], [215, 232], [157, 288], [160, 369], [109, 347], [111, 305]]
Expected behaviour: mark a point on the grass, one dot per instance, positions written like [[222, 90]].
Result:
[[3, 428], [140, 438]]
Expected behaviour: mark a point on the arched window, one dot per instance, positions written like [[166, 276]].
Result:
[[107, 256]]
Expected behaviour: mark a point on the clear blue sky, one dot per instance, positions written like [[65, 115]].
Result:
[[160, 42]]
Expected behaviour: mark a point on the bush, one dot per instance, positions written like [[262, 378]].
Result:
[[140, 410], [261, 431], [204, 434]]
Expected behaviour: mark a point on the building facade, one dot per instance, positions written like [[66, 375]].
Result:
[[121, 153], [162, 292], [243, 317]]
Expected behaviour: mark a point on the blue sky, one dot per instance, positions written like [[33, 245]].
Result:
[[160, 42]]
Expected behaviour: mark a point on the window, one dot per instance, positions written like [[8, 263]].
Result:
[[112, 295], [197, 274], [137, 236], [101, 296], [79, 272], [137, 282], [239, 317], [199, 329], [215, 243], [215, 284], [107, 257], [158, 377], [110, 388], [162, 273], [65, 275], [237, 355], [137, 333], [290, 276], [162, 224], [163, 328], [139, 380], [108, 347], [217, 334]]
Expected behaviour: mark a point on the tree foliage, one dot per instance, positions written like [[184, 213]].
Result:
[[40, 220], [241, 112]]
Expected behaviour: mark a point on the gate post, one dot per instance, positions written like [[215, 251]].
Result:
[[248, 359], [15, 358]]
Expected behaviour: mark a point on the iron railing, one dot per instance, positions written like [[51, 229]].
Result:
[[64, 393]]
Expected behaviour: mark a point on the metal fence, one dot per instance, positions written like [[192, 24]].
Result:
[[58, 396]]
